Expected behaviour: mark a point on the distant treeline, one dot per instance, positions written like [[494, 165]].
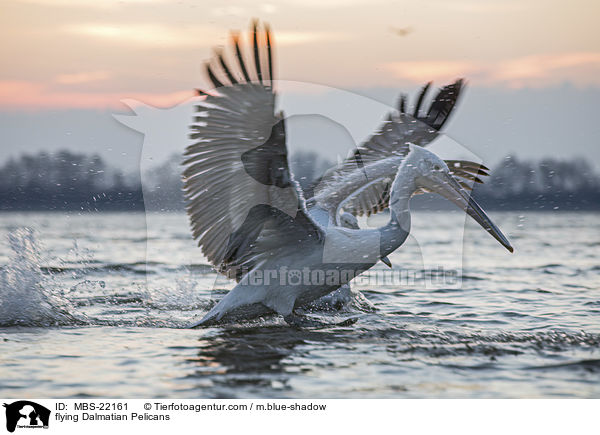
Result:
[[66, 181], [75, 181], [547, 184]]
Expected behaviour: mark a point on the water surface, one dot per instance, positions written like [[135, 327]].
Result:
[[98, 304]]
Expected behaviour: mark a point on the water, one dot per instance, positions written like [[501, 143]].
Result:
[[98, 304]]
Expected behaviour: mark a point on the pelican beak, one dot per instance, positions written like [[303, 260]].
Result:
[[451, 190], [386, 261]]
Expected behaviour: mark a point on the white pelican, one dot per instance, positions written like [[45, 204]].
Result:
[[362, 196], [249, 215]]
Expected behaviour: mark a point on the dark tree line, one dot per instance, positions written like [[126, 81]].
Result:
[[541, 185], [75, 181], [65, 181], [162, 189]]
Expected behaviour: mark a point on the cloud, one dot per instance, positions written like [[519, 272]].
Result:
[[331, 4], [417, 71], [268, 8], [102, 4], [228, 11], [481, 7], [84, 77], [237, 8], [31, 95], [14, 92], [580, 68], [584, 68], [537, 71], [153, 35], [294, 38], [142, 34]]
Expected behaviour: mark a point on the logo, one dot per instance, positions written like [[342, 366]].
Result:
[[26, 414]]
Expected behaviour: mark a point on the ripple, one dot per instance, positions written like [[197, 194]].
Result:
[[589, 365]]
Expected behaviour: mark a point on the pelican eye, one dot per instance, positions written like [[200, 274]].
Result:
[[437, 168]]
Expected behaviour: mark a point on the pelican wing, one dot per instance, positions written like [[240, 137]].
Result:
[[237, 182], [361, 184]]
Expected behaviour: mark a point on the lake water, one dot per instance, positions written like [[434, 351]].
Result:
[[97, 304]]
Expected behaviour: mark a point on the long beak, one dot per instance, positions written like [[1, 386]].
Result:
[[453, 191]]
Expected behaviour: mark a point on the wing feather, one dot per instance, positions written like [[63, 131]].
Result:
[[379, 157], [420, 100], [237, 182]]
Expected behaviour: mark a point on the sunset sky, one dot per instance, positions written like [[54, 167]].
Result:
[[67, 58]]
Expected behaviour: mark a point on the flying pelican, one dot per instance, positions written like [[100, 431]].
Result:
[[366, 197], [250, 217]]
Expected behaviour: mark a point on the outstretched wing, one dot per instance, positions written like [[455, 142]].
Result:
[[237, 180], [440, 108], [362, 183]]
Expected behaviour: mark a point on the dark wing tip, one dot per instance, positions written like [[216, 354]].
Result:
[[444, 102], [256, 51], [402, 103], [421, 99], [269, 52], [225, 67], [467, 170], [212, 77], [227, 73], [235, 37]]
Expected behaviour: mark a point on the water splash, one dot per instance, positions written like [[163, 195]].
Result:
[[186, 295], [33, 294], [28, 297]]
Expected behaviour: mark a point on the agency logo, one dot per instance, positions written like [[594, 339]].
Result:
[[25, 414]]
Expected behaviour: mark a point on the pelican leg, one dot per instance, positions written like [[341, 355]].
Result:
[[301, 321]]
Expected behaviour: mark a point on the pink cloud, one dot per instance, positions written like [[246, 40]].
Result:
[[580, 68], [85, 77], [418, 71], [30, 95], [542, 70]]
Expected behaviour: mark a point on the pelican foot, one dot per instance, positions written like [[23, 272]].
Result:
[[300, 321]]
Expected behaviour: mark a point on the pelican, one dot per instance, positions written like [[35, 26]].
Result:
[[334, 192], [249, 215]]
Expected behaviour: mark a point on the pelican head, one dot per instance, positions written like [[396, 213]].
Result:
[[432, 174]]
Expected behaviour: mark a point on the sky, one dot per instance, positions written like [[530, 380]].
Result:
[[532, 67]]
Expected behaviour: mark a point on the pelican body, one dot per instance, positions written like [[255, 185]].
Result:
[[421, 169], [251, 219]]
